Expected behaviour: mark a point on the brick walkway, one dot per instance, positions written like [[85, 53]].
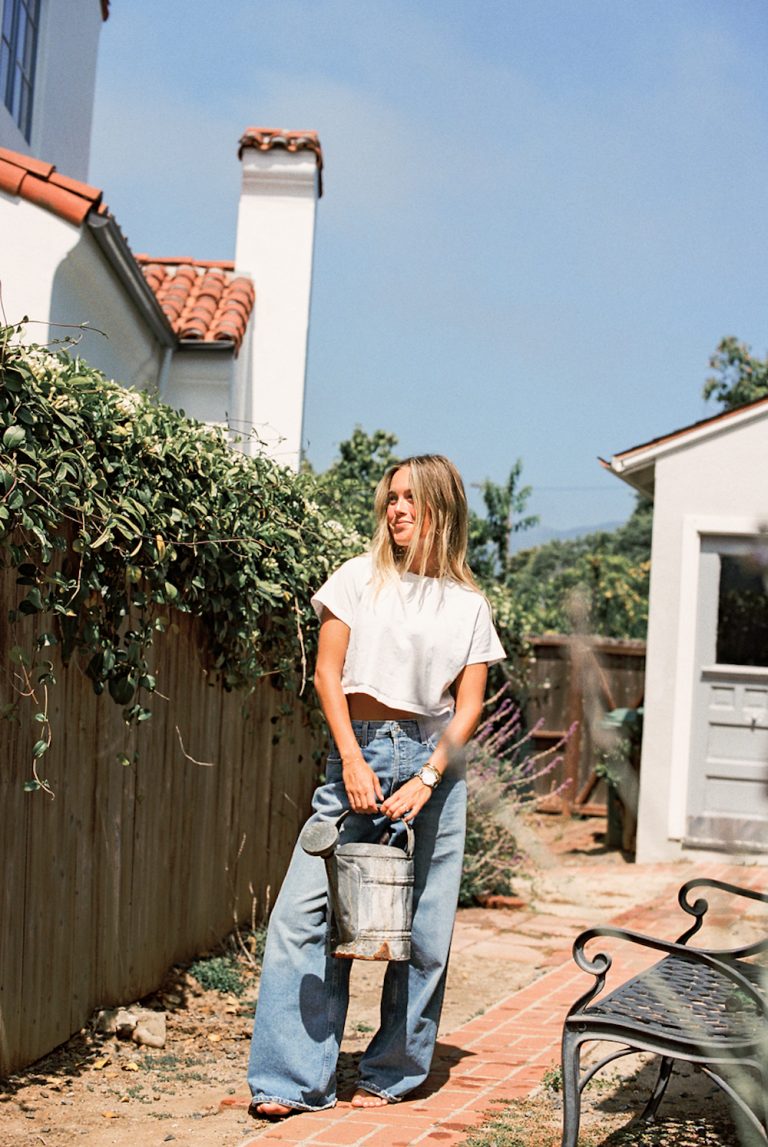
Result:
[[500, 1055]]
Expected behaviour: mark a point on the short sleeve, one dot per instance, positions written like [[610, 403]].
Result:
[[341, 593], [485, 645]]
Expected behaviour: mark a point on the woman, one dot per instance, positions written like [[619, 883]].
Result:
[[405, 642]]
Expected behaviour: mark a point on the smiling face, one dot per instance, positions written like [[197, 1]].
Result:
[[401, 508], [402, 511], [421, 520]]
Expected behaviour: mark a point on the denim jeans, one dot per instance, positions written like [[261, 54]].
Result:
[[304, 991]]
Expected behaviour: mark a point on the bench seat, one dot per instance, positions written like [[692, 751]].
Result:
[[703, 1006]]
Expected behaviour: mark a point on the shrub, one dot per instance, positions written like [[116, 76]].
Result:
[[115, 509], [501, 775], [219, 974]]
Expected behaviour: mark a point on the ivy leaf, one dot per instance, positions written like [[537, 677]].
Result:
[[32, 603], [13, 437], [122, 689]]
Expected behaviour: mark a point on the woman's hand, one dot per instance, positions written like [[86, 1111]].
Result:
[[364, 791], [407, 801]]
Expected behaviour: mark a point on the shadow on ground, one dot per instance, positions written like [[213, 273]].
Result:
[[694, 1113], [446, 1057]]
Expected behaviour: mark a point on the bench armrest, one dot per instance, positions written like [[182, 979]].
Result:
[[600, 964], [698, 908]]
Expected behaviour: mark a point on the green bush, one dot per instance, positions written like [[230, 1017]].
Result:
[[116, 509], [219, 974], [501, 773]]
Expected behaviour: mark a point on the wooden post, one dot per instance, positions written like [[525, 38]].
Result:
[[575, 709]]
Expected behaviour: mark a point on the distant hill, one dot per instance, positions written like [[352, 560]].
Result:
[[527, 539]]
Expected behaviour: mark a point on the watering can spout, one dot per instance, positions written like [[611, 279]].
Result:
[[319, 837]]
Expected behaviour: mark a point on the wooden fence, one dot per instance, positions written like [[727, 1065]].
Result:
[[579, 680], [129, 869]]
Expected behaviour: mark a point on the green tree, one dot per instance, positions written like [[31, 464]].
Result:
[[599, 581], [633, 539], [345, 490], [739, 377], [490, 537]]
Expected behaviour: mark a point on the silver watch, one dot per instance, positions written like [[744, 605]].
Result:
[[429, 776]]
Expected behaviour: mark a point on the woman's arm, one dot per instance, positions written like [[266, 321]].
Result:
[[362, 785], [470, 693]]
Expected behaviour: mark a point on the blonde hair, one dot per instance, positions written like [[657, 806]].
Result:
[[439, 498]]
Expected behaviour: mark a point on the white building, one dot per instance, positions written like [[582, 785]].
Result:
[[224, 341], [48, 53], [704, 768]]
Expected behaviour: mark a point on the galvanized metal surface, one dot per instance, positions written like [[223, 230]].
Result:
[[370, 887]]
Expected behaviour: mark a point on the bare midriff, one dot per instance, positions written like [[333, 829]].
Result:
[[363, 707]]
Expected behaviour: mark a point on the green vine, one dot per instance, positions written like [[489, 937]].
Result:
[[116, 509]]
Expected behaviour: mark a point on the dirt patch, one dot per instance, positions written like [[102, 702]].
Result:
[[101, 1091]]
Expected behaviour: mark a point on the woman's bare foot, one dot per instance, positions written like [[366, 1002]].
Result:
[[363, 1098], [272, 1110]]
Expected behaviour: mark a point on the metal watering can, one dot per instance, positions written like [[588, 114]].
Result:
[[371, 892]]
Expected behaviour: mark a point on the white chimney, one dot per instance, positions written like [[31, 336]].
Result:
[[275, 240]]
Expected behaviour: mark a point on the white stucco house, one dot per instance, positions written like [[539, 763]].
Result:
[[704, 766], [226, 341]]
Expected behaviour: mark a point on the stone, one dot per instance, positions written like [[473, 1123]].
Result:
[[150, 1029], [142, 1025]]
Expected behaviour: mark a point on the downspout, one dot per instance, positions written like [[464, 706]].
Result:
[[165, 370], [120, 258]]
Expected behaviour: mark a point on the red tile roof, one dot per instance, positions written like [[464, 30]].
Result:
[[40, 183], [267, 138], [202, 300]]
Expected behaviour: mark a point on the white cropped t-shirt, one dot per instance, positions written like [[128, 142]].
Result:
[[410, 637]]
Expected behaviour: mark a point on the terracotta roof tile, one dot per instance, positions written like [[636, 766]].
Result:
[[202, 299], [267, 138], [40, 183]]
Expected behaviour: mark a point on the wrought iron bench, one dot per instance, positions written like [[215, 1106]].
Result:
[[704, 1006]]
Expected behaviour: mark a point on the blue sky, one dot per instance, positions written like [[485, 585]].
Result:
[[539, 219]]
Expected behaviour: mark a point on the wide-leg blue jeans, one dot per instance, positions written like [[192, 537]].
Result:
[[304, 991]]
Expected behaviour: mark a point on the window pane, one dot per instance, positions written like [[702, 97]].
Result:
[[3, 71], [25, 108], [7, 19], [15, 105], [17, 59], [26, 42], [742, 614]]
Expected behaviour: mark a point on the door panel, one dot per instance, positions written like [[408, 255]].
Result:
[[728, 780]]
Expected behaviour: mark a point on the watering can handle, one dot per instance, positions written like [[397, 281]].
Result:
[[409, 836]]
